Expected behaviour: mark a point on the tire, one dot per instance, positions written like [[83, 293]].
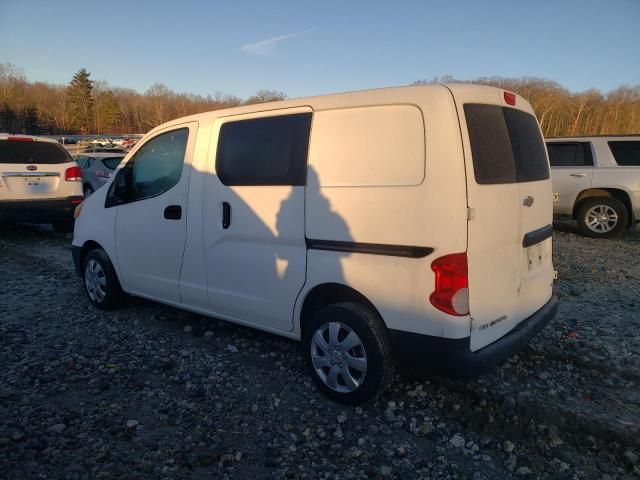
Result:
[[87, 190], [602, 217], [363, 370], [65, 226], [101, 281]]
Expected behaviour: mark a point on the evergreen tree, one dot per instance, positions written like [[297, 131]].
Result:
[[31, 121], [7, 119], [81, 100]]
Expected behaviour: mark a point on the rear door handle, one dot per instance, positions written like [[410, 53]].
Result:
[[173, 212], [578, 175], [226, 215]]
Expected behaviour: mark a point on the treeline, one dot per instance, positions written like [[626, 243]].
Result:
[[85, 106], [563, 113], [90, 107]]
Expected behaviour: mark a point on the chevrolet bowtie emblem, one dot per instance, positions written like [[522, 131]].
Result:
[[527, 201]]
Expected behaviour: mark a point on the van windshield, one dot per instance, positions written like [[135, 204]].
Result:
[[506, 145], [15, 151]]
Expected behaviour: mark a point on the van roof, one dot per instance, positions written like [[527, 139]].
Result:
[[324, 102]]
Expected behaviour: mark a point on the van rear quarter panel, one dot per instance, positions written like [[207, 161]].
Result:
[[424, 207]]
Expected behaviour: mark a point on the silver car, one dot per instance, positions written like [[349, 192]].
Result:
[[97, 168]]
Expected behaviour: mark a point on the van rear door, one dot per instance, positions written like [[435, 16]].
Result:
[[510, 199]]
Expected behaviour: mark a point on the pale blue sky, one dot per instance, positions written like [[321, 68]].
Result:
[[308, 48]]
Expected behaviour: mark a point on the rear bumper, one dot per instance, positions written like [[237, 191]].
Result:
[[420, 355], [39, 211]]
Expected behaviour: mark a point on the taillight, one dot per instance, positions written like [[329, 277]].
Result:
[[452, 284], [73, 174], [102, 174], [510, 98]]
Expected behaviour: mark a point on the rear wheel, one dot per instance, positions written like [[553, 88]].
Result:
[[100, 280], [348, 352], [602, 217]]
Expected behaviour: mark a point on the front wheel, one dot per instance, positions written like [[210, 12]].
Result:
[[602, 217], [348, 352], [101, 281]]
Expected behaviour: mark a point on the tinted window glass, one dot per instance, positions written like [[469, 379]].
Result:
[[506, 145], [264, 151], [490, 144], [528, 148], [12, 151], [82, 161], [112, 162], [576, 154], [626, 153], [157, 166]]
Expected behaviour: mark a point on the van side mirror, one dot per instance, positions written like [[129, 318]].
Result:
[[120, 189]]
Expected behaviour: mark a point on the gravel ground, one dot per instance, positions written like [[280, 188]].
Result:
[[151, 392]]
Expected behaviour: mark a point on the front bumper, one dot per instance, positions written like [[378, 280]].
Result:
[[39, 211], [422, 355]]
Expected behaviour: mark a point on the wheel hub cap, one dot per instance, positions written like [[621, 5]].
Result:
[[338, 357], [95, 281], [601, 219]]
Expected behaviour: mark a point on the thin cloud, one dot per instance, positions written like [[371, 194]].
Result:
[[267, 48]]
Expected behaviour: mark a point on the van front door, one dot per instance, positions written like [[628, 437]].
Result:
[[253, 220], [151, 198]]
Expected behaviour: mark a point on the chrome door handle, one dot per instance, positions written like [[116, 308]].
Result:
[[578, 175]]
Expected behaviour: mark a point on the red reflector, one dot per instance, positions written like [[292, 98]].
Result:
[[20, 139], [73, 174], [452, 284], [76, 202], [510, 98]]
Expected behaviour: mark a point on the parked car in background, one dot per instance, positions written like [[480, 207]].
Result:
[[98, 149], [97, 169], [596, 181], [396, 234], [101, 142], [68, 140], [39, 181], [129, 142]]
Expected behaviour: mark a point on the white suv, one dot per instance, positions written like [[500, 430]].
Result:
[[596, 181], [39, 181]]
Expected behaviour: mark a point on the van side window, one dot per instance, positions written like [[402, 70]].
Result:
[[264, 151], [157, 166], [572, 154], [506, 145], [626, 153], [154, 169]]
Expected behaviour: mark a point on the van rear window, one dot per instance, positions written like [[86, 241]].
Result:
[[506, 145], [13, 151]]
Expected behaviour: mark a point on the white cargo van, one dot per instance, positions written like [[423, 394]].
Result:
[[404, 227]]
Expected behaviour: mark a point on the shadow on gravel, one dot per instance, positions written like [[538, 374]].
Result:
[[569, 226]]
